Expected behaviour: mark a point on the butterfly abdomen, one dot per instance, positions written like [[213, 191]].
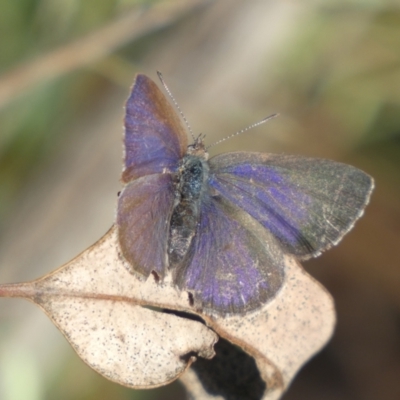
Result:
[[189, 185]]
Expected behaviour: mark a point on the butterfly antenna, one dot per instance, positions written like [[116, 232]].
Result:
[[175, 103], [244, 130]]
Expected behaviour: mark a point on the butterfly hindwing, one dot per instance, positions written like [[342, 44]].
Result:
[[144, 212], [154, 137], [236, 265], [308, 204]]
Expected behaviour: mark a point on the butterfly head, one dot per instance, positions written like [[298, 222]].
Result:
[[197, 148]]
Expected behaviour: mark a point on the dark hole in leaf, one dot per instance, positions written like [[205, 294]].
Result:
[[156, 309], [232, 374], [119, 193], [182, 314]]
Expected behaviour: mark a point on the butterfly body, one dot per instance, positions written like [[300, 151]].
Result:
[[223, 227], [190, 183]]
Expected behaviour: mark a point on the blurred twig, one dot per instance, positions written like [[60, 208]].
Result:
[[93, 47]]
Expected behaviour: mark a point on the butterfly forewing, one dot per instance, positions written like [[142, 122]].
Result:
[[236, 265], [308, 204], [154, 137]]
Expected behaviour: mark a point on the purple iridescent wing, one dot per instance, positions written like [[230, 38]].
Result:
[[308, 204], [236, 265], [154, 143], [154, 138], [144, 211]]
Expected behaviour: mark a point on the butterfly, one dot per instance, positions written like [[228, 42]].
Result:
[[221, 227]]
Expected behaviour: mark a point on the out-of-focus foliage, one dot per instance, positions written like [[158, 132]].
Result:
[[330, 68]]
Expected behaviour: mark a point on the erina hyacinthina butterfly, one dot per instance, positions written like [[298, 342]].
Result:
[[221, 227]]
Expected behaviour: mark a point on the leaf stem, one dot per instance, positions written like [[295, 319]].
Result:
[[23, 290]]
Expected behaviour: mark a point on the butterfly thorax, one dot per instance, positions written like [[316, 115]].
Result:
[[190, 180]]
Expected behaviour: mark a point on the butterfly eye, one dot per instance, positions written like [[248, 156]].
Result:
[[195, 169]]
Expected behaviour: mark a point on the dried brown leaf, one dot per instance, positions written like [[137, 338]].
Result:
[[96, 304]]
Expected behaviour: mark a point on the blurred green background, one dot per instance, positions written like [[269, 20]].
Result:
[[330, 68]]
